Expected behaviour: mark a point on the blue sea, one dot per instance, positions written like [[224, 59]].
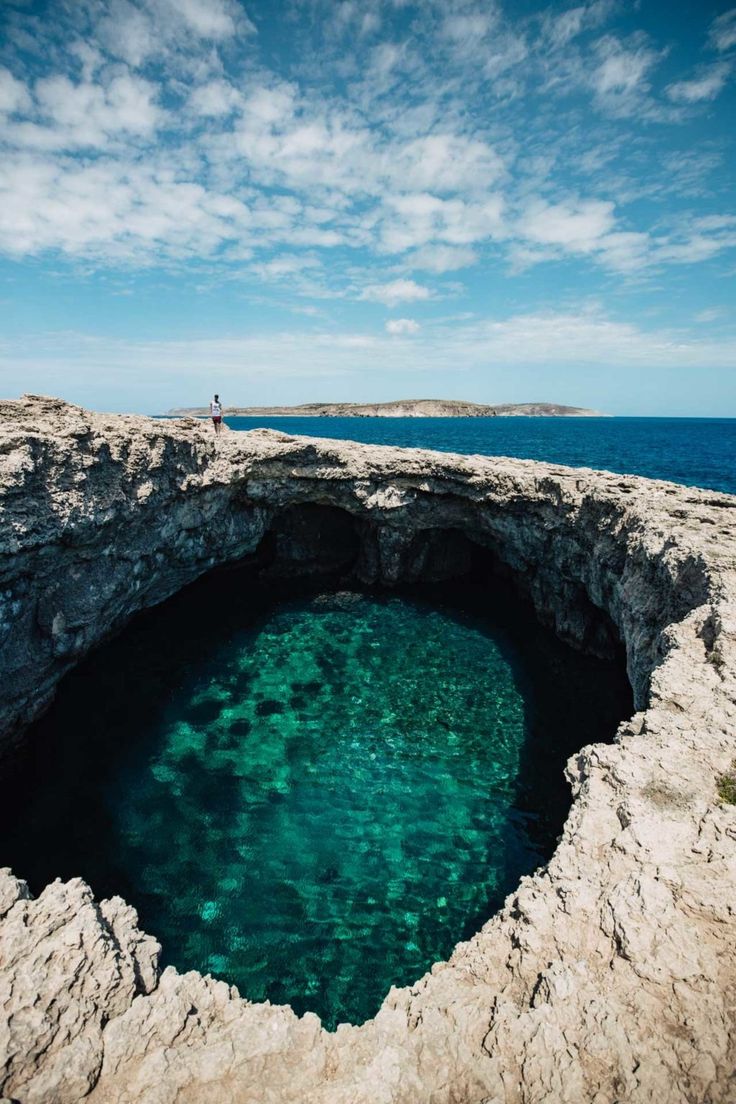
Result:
[[699, 452]]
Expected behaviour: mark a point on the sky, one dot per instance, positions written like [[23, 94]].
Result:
[[367, 200]]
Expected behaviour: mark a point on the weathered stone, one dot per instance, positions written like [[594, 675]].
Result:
[[67, 965], [610, 975]]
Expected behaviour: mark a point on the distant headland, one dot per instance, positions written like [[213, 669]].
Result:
[[408, 408]]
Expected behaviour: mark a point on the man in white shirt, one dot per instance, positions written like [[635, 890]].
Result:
[[216, 413]]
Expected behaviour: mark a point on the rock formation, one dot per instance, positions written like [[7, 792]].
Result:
[[609, 975]]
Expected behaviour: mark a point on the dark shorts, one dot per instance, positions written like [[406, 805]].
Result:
[[217, 420]]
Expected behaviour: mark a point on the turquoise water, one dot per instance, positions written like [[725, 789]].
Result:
[[312, 796], [699, 452]]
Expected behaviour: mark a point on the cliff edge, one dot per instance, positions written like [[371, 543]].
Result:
[[608, 976]]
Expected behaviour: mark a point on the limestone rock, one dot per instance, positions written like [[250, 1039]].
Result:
[[67, 966], [608, 976]]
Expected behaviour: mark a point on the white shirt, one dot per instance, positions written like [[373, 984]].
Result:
[[216, 409]]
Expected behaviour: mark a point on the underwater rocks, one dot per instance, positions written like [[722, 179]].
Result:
[[610, 975]]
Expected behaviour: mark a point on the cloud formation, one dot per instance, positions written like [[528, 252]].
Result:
[[483, 170], [153, 131], [550, 339], [402, 326], [706, 86], [395, 291], [723, 31]]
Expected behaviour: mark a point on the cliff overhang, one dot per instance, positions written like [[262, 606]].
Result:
[[608, 975]]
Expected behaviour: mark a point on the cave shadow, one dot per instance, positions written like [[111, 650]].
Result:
[[66, 766], [570, 699]]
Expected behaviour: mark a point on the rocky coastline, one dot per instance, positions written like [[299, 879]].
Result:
[[608, 976]]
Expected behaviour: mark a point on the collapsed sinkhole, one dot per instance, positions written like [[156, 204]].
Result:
[[310, 785]]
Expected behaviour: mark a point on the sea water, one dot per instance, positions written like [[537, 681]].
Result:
[[699, 452], [311, 795]]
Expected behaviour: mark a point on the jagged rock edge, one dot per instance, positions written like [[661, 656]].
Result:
[[533, 1023]]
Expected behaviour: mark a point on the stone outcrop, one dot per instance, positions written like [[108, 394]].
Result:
[[608, 976]]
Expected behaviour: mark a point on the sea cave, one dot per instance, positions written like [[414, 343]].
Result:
[[309, 787], [343, 773]]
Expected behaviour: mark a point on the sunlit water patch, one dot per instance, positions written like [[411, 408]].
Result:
[[319, 798]]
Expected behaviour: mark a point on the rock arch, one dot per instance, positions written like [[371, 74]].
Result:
[[608, 975]]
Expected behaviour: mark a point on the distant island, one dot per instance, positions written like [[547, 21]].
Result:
[[406, 408]]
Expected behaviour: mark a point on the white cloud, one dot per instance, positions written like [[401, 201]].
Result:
[[467, 28], [722, 32], [120, 212], [697, 248], [591, 339], [621, 70], [561, 29], [84, 112], [445, 163], [350, 17], [127, 32], [625, 251], [415, 219], [396, 291], [715, 222], [210, 19], [711, 314], [696, 239], [64, 363], [298, 144], [402, 326], [201, 158], [507, 52], [137, 30], [384, 67], [578, 227], [441, 258], [285, 265], [71, 115], [13, 94], [583, 227], [480, 40], [217, 97], [271, 105], [705, 87]]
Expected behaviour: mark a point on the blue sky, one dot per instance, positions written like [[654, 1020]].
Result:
[[369, 200]]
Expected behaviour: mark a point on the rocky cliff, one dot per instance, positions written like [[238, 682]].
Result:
[[610, 975]]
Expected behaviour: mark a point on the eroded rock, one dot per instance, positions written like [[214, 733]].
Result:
[[608, 976]]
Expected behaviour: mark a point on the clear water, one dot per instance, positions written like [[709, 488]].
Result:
[[698, 452], [313, 797]]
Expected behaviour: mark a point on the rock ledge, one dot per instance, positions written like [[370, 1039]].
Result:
[[609, 976]]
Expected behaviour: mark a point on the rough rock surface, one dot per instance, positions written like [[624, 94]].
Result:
[[609, 976]]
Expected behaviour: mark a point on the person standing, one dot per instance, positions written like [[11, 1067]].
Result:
[[216, 413]]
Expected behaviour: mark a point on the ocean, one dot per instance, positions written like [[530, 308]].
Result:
[[699, 452]]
